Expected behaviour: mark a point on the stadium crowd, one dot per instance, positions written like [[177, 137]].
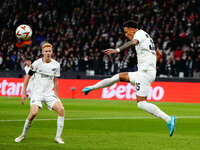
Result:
[[81, 29]]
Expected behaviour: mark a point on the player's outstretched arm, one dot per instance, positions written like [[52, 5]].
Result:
[[128, 44], [124, 46], [26, 80], [158, 54]]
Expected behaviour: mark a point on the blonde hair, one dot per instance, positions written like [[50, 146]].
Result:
[[46, 44]]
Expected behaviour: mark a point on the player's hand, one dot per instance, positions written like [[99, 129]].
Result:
[[158, 54], [23, 98], [110, 51]]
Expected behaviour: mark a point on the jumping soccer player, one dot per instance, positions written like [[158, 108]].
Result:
[[146, 74], [46, 71]]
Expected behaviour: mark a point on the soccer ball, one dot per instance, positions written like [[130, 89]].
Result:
[[24, 32]]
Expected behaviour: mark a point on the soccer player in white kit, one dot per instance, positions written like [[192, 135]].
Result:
[[46, 71], [28, 62], [146, 74]]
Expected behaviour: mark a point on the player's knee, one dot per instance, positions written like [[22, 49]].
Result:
[[61, 111], [124, 77], [34, 113], [141, 104]]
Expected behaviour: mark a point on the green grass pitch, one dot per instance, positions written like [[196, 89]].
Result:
[[100, 125]]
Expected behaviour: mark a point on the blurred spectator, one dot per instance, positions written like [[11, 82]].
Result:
[[161, 67], [196, 67], [106, 65], [8, 65], [178, 53], [97, 63], [179, 67], [116, 65], [132, 62], [80, 29], [189, 67]]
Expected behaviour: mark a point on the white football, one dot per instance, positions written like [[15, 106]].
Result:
[[24, 32]]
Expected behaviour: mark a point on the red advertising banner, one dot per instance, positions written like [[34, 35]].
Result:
[[187, 92], [11, 86]]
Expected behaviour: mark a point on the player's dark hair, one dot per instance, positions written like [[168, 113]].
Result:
[[130, 24], [28, 58]]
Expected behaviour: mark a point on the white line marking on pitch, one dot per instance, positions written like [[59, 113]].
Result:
[[106, 118]]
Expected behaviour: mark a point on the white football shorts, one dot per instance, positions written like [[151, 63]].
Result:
[[142, 81], [49, 100]]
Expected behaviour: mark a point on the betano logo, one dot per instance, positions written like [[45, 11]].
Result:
[[11, 88], [128, 92]]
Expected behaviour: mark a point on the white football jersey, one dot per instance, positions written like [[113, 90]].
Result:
[[146, 53], [43, 82]]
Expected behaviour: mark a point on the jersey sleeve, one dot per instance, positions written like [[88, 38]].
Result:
[[26, 69], [34, 66], [140, 36], [57, 74]]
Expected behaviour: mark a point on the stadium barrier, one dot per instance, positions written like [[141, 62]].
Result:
[[187, 92]]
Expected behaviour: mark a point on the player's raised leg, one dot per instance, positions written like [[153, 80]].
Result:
[[33, 113], [58, 107], [107, 82], [154, 110]]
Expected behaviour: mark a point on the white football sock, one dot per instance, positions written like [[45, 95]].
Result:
[[154, 110], [26, 127], [105, 83], [60, 125]]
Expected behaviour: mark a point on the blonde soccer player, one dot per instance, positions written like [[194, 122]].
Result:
[[146, 74], [46, 71]]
